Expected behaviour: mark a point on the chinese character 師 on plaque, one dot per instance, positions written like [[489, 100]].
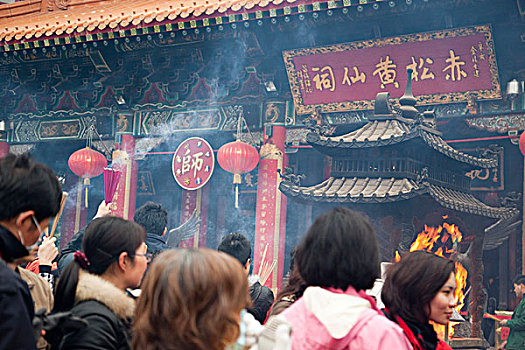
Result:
[[193, 163]]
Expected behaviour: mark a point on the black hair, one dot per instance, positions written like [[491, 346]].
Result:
[[412, 283], [153, 217], [519, 279], [293, 251], [236, 245], [27, 185], [105, 239], [339, 250]]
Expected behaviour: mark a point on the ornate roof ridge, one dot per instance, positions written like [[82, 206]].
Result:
[[393, 132], [364, 190], [389, 126], [466, 202], [356, 190]]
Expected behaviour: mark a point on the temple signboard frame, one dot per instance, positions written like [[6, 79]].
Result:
[[450, 66]]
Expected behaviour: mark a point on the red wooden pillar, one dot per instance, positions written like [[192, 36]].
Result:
[[270, 213], [74, 216], [4, 148], [327, 167], [124, 161]]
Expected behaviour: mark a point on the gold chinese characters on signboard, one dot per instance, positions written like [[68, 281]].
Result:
[[448, 67]]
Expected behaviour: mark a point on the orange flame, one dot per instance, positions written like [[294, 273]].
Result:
[[440, 241], [461, 282]]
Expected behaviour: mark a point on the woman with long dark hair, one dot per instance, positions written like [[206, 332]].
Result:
[[419, 289], [93, 286], [338, 260], [191, 300]]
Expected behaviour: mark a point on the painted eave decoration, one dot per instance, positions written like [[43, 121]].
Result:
[[41, 23]]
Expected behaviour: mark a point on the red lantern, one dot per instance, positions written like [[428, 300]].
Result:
[[87, 163], [522, 143], [237, 158]]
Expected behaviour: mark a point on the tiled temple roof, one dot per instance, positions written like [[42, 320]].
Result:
[[33, 19], [377, 133], [498, 232], [384, 190]]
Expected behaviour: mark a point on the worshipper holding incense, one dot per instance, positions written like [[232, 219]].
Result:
[[339, 259], [93, 286], [29, 196], [39, 287], [239, 247], [419, 289]]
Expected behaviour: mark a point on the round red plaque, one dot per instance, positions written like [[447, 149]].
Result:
[[193, 163]]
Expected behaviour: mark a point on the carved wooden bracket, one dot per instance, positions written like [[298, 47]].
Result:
[[53, 5]]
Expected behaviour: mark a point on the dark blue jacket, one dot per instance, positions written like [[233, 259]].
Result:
[[66, 255], [156, 243]]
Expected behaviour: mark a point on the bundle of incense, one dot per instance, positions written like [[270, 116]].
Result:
[[267, 271], [57, 218], [262, 259]]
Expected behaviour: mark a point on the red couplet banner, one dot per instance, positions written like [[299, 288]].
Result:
[[268, 259], [195, 201], [448, 66]]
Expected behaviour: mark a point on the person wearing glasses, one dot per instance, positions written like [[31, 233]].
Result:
[[29, 197], [94, 285]]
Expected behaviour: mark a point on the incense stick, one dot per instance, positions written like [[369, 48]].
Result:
[[495, 318], [268, 270], [57, 218], [262, 260]]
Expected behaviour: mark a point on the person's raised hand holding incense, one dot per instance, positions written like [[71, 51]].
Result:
[[103, 210], [47, 251]]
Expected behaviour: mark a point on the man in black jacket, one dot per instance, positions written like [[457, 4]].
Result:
[[154, 218], [29, 196], [238, 246]]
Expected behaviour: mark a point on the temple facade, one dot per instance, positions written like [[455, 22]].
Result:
[[317, 87]]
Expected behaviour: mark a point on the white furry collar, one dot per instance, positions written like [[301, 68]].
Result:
[[92, 287]]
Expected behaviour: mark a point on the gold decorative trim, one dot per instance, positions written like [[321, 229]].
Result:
[[277, 227], [198, 203], [78, 205], [270, 151], [127, 190]]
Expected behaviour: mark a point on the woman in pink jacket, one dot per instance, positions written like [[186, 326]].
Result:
[[339, 259]]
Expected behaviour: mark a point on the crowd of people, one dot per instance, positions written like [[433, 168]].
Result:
[[118, 285]]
